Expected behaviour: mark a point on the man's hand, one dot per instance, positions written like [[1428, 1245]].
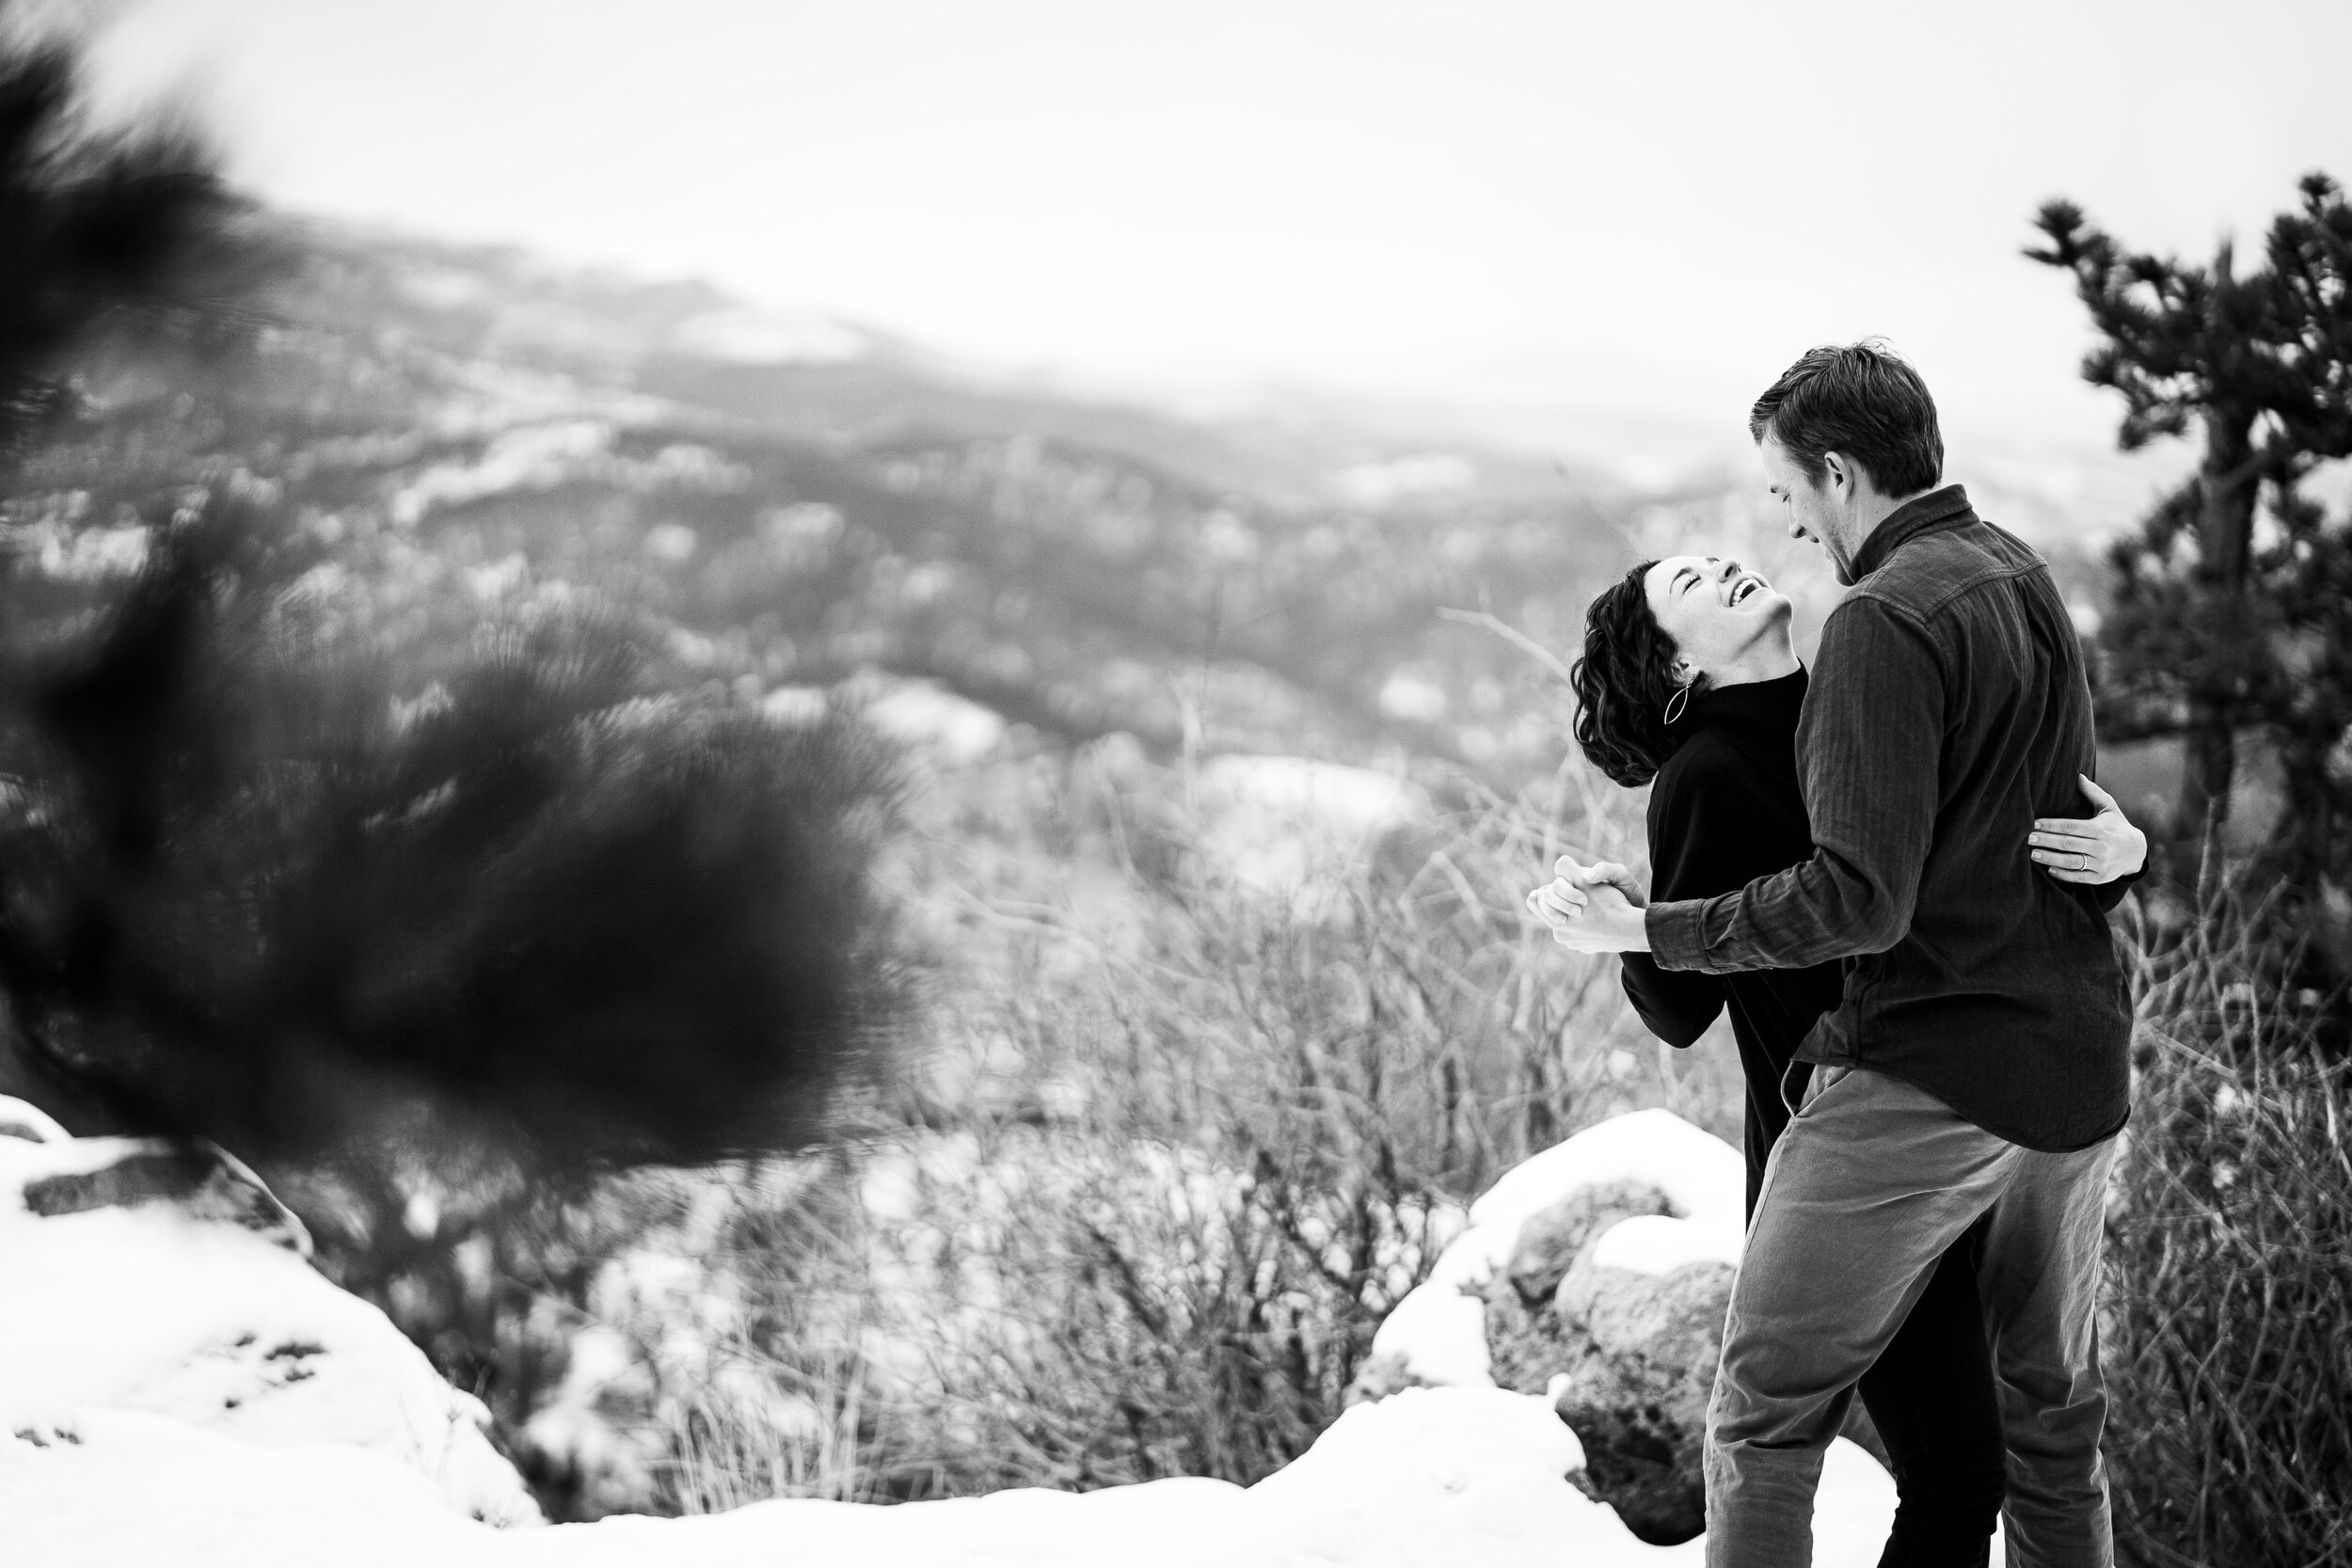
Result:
[[2090, 849], [1593, 908]]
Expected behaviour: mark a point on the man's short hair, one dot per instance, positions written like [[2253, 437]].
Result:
[[1862, 401]]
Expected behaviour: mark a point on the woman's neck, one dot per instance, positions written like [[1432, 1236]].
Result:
[[1769, 660]]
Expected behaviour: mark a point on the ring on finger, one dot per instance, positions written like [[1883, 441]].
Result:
[[2082, 862]]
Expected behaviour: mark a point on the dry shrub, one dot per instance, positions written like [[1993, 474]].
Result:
[[1183, 1147], [2229, 1264]]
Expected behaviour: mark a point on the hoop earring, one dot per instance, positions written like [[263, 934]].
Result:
[[1679, 701]]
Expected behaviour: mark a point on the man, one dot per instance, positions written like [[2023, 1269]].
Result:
[[1977, 1063]]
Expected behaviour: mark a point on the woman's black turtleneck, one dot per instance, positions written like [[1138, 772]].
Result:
[[1725, 809]]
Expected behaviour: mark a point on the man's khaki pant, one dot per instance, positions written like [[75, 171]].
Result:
[[1872, 1182]]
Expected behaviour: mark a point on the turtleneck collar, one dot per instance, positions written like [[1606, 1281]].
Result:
[[1751, 705]]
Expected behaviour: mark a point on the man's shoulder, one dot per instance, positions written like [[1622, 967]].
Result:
[[1925, 575]]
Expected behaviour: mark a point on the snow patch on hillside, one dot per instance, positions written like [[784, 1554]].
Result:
[[1274, 823]]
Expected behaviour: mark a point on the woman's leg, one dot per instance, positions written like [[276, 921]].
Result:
[[1933, 1400]]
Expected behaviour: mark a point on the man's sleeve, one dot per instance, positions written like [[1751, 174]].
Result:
[[2108, 895], [1868, 749]]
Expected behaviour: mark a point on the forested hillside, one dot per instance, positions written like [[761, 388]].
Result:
[[802, 503]]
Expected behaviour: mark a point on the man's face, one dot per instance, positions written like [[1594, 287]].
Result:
[[1811, 509]]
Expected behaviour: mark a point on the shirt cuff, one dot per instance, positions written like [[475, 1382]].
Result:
[[1675, 938]]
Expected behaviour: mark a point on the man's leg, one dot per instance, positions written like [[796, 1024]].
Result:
[[1873, 1180], [2040, 1280]]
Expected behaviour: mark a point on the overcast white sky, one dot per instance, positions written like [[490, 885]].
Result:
[[1658, 202]]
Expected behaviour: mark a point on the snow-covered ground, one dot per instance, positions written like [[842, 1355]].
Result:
[[180, 1389]]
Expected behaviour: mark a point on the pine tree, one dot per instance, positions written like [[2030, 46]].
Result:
[[2233, 602]]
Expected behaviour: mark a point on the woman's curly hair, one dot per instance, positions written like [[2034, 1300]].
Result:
[[1623, 682]]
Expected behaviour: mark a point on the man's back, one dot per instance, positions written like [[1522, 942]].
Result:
[[2003, 998], [1948, 709]]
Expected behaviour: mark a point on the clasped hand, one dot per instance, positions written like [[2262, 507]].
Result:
[[1593, 908]]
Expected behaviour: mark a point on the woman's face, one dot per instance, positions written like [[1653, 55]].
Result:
[[1713, 608]]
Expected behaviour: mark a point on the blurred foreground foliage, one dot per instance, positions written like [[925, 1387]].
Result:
[[300, 852], [112, 237], [267, 884]]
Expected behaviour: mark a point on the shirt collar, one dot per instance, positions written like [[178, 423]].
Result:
[[1917, 515]]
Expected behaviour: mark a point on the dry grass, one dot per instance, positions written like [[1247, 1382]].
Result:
[[2230, 1265]]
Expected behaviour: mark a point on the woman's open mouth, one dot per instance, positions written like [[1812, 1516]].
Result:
[[1744, 587]]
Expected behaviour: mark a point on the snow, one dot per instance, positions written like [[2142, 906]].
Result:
[[537, 457], [132, 1488], [1702, 1178], [926, 715], [29, 1122], [1274, 822], [1383, 483], [793, 706], [1412, 696], [744, 336], [1428, 1477], [182, 1390], [144, 1308]]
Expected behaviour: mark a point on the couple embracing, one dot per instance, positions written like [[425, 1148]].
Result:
[[1880, 870]]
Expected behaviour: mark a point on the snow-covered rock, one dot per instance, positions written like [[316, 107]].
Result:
[[140, 1276], [1437, 1335], [1598, 1271]]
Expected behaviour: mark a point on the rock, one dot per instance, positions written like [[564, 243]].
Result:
[[1379, 1377], [201, 1179], [1644, 1349], [1627, 1357], [1551, 1239]]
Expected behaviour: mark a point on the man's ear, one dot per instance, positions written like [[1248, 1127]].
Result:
[[1837, 471]]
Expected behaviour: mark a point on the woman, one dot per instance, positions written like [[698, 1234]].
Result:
[[1689, 679]]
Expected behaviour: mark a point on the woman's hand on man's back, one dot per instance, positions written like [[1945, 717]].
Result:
[[2089, 850]]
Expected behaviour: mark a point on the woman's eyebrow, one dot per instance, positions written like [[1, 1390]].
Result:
[[1686, 571]]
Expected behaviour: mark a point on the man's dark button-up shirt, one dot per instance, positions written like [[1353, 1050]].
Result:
[[1948, 709]]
